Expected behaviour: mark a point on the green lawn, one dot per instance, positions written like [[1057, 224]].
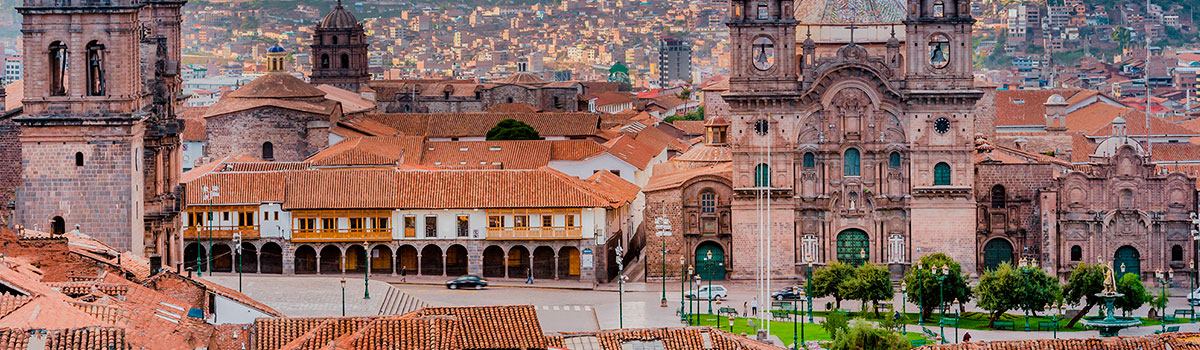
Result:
[[980, 320], [782, 329]]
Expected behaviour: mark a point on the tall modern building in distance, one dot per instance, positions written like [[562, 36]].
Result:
[[674, 60]]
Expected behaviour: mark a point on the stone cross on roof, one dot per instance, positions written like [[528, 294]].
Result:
[[851, 27]]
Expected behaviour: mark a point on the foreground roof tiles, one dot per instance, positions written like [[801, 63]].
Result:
[[495, 327]]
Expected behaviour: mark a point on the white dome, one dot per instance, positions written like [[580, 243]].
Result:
[[1056, 99], [1109, 146]]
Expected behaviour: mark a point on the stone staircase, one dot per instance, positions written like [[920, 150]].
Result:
[[397, 302]]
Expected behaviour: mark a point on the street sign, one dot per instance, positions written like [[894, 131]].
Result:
[[666, 233]]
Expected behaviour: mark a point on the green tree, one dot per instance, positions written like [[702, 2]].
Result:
[[1086, 280], [1134, 293], [871, 283], [1121, 36], [827, 281], [865, 335], [512, 129], [923, 284], [1007, 288]]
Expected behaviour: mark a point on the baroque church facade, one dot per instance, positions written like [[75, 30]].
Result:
[[849, 156], [97, 131]]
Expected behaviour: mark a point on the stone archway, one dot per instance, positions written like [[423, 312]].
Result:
[[710, 269], [249, 255], [518, 262], [271, 258], [456, 260], [356, 259], [544, 262], [381, 259], [406, 260], [431, 260], [331, 260], [995, 252], [305, 261], [853, 247], [1127, 259], [222, 258], [493, 261], [195, 254]]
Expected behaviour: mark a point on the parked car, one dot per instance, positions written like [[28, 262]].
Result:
[[716, 291], [787, 294], [1194, 297], [468, 281]]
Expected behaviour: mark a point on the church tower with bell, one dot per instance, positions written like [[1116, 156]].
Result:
[[339, 51]]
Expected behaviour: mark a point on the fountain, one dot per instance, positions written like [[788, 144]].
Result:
[[1109, 324]]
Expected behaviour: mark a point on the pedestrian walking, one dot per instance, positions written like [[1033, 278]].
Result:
[[754, 307], [403, 274], [966, 337], [530, 279], [745, 308]]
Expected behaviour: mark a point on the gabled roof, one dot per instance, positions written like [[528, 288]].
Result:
[[495, 327], [277, 85], [351, 101], [691, 127], [673, 179], [637, 154], [358, 151]]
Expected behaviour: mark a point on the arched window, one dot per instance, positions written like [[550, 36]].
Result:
[[58, 68], [268, 151], [333, 40], [941, 174], [894, 160], [762, 175], [58, 226], [998, 194], [324, 60], [1176, 253], [850, 158], [78, 158], [95, 69], [708, 202], [345, 61], [810, 160], [1076, 253]]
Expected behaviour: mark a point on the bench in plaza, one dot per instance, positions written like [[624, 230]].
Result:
[[1002, 325], [1183, 313], [1044, 325], [1171, 329], [918, 342], [950, 322], [727, 311], [1169, 318]]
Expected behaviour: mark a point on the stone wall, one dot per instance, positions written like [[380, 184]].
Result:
[[10, 167], [1018, 220], [287, 130]]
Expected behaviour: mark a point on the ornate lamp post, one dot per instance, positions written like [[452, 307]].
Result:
[[904, 305], [1027, 266], [941, 276], [696, 297], [1057, 312], [708, 266], [621, 301], [682, 281], [209, 195], [957, 307], [1163, 280], [803, 294], [920, 306], [809, 259]]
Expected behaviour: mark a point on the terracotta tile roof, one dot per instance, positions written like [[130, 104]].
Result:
[[657, 139], [1096, 120], [9, 302], [1025, 107], [706, 154], [674, 179], [215, 165], [68, 339], [1175, 152], [232, 295], [691, 127], [574, 149], [496, 327], [274, 333], [362, 126], [264, 166], [1008, 155], [318, 337], [277, 86], [341, 188], [529, 154], [631, 151], [16, 92], [613, 97], [233, 105], [375, 150], [717, 83], [49, 312], [237, 188], [614, 188], [408, 333], [450, 125]]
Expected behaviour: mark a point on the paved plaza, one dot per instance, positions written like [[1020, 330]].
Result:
[[563, 308]]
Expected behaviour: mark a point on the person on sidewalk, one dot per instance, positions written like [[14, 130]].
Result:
[[530, 279], [403, 274], [966, 337], [745, 308], [754, 307]]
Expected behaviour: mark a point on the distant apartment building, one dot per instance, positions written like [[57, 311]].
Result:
[[674, 60], [13, 68]]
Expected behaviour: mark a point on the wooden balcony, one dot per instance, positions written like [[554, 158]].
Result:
[[555, 232], [220, 232], [342, 235]]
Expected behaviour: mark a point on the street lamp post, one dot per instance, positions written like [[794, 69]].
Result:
[[209, 195], [803, 294], [904, 305], [1163, 280], [957, 317], [920, 305], [708, 264], [1027, 266], [719, 315], [664, 230], [945, 271], [237, 248], [696, 297], [1058, 312], [343, 296], [682, 281], [621, 300], [808, 280]]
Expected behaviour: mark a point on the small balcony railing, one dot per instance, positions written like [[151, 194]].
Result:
[[220, 232], [342, 235], [552, 232]]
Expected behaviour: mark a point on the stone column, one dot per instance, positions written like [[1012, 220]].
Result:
[[419, 271], [556, 266]]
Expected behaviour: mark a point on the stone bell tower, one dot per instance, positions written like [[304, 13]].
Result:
[[940, 93], [339, 51]]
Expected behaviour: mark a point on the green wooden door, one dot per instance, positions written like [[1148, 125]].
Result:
[[1129, 257], [853, 247], [710, 269], [996, 251]]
